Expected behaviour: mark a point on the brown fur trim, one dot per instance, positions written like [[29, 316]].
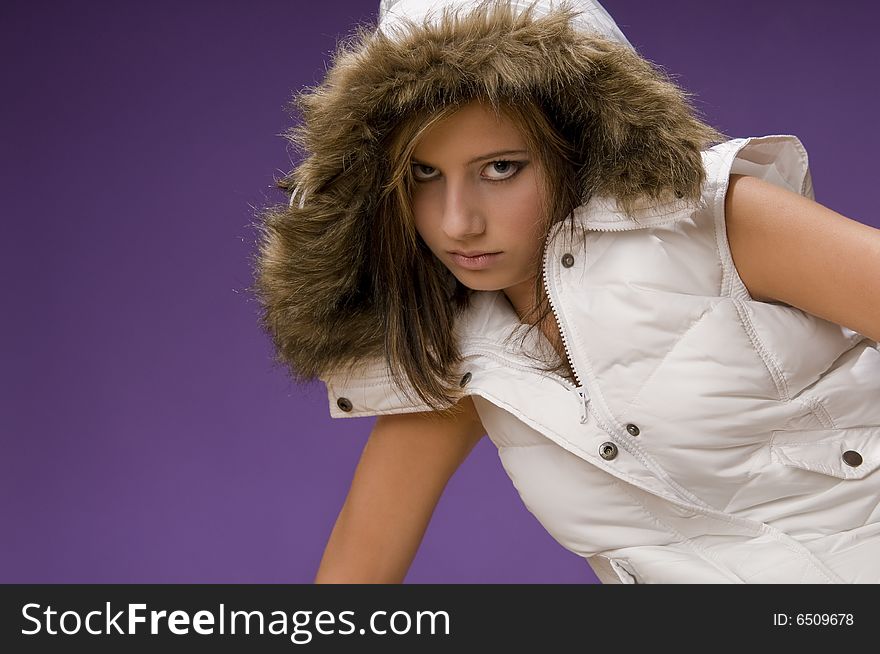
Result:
[[634, 129]]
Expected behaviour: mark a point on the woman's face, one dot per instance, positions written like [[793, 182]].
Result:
[[478, 190]]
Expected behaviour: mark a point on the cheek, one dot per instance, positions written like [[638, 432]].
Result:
[[524, 210], [423, 215]]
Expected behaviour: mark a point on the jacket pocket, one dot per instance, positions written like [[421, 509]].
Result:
[[849, 453]]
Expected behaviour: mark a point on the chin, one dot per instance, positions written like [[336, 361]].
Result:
[[480, 285]]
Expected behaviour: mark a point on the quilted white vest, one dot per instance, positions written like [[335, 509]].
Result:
[[712, 437]]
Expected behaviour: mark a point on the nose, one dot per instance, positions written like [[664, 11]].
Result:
[[463, 211]]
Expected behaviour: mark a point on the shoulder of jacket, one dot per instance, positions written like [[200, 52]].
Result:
[[780, 159], [486, 331], [369, 389]]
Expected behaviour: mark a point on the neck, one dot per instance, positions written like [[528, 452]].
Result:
[[522, 298]]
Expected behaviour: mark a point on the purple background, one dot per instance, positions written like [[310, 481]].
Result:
[[145, 435]]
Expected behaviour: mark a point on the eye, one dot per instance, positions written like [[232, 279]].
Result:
[[501, 169], [422, 173]]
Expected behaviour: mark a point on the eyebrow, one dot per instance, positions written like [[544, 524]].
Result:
[[482, 157]]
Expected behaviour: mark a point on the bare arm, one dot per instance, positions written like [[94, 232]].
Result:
[[789, 248], [402, 472]]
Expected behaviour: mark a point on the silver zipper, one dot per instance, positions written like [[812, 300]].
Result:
[[555, 313], [580, 391], [579, 388]]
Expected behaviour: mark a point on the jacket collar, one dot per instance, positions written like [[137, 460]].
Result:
[[602, 214]]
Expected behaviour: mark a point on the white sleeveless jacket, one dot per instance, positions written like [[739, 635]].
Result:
[[712, 437]]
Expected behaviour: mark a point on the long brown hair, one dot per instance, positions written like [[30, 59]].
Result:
[[423, 297]]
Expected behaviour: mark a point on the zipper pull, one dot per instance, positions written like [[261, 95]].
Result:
[[584, 399]]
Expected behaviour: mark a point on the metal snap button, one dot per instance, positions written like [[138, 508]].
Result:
[[344, 403], [852, 458], [465, 379], [632, 429], [567, 260], [608, 450]]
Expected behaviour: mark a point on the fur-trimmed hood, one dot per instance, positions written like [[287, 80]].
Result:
[[636, 130]]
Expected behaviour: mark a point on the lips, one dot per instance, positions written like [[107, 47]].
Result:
[[475, 253], [478, 260]]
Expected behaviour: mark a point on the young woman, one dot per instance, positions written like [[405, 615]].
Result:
[[507, 223]]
